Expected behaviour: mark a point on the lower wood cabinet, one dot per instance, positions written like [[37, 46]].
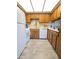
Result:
[[55, 40], [34, 33], [58, 45], [49, 36]]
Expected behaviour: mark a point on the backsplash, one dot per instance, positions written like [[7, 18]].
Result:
[[37, 24], [55, 24]]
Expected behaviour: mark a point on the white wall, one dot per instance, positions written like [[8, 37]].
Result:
[[21, 32]]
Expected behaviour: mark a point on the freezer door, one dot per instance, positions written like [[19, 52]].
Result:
[[20, 16]]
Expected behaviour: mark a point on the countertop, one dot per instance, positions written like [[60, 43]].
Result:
[[46, 29], [54, 29]]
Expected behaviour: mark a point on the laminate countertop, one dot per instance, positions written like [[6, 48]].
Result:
[[54, 29]]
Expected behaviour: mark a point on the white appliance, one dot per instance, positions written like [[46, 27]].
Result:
[[43, 33], [21, 32], [27, 34]]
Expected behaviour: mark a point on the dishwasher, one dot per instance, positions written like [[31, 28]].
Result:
[[43, 33]]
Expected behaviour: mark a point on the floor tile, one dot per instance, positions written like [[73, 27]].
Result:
[[38, 49]]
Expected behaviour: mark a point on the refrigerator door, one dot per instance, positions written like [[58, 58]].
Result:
[[21, 38], [20, 16]]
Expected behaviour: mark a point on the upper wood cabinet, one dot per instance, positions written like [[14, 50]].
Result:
[[59, 12], [28, 19], [52, 17], [34, 16], [56, 14], [43, 18]]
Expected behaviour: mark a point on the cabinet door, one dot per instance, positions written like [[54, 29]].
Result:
[[58, 12], [55, 14], [58, 46], [59, 9], [41, 18], [47, 17], [37, 34], [28, 19], [54, 37], [34, 33], [49, 35], [48, 31], [52, 17], [44, 18]]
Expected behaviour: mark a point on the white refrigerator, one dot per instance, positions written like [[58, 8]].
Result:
[[21, 31]]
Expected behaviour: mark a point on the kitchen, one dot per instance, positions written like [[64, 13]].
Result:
[[39, 26]]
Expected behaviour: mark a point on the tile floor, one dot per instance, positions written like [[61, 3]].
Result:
[[38, 49]]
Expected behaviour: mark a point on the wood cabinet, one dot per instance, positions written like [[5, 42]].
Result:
[[28, 19], [34, 33], [56, 14], [59, 12], [52, 37], [49, 36], [43, 18], [58, 45], [55, 40]]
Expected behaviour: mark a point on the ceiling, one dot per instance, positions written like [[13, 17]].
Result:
[[38, 5]]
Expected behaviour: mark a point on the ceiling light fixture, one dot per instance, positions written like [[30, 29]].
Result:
[[32, 5], [43, 5]]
